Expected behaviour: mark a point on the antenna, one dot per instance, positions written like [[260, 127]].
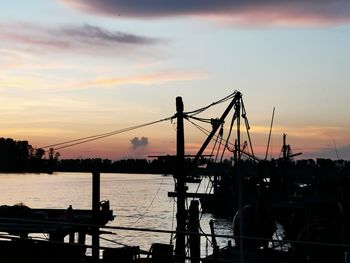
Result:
[[268, 141], [336, 150]]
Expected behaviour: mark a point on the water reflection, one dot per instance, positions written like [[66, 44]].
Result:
[[138, 200]]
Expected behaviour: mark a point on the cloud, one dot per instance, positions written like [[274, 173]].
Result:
[[97, 35], [136, 142], [83, 37], [30, 82], [148, 79], [306, 132], [255, 12]]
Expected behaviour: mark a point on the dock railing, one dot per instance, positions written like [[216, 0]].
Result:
[[282, 249]]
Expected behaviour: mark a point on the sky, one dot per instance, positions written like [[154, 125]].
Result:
[[76, 68]]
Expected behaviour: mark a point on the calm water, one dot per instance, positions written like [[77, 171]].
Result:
[[138, 200]]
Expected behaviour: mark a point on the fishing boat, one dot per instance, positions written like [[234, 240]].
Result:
[[284, 211], [270, 224]]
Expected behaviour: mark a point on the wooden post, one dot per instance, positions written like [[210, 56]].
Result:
[[72, 237], [180, 187], [95, 214], [81, 237], [193, 227]]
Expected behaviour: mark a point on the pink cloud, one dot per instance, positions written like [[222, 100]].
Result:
[[238, 12], [83, 38], [150, 79]]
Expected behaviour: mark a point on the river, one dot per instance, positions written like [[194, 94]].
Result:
[[138, 201]]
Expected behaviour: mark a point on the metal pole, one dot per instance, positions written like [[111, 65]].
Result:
[[239, 176], [180, 187], [238, 116]]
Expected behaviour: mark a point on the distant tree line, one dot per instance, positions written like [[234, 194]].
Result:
[[155, 166], [20, 156], [167, 165], [161, 165]]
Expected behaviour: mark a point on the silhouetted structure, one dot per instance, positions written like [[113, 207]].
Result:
[[20, 156], [19, 221]]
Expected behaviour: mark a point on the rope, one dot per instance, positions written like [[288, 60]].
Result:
[[326, 244], [82, 140], [206, 132], [195, 112], [115, 242], [205, 120], [149, 206], [102, 135], [234, 116], [244, 116]]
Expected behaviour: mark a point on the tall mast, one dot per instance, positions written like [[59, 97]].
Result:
[[238, 117], [268, 141], [239, 177], [180, 187]]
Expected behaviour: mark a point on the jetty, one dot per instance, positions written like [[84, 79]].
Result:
[[18, 222]]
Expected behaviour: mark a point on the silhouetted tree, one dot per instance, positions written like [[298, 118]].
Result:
[[20, 156]]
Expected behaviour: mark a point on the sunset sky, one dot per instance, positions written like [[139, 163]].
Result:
[[76, 68]]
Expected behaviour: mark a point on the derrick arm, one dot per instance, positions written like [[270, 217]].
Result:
[[216, 126]]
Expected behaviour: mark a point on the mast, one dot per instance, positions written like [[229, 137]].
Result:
[[180, 187], [238, 117], [239, 177], [268, 141]]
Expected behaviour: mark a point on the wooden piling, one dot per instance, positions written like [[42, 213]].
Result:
[[193, 228], [95, 214]]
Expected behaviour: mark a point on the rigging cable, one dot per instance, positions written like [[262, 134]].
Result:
[[100, 136], [82, 140], [244, 116], [234, 116], [205, 120], [329, 244], [206, 132], [195, 112], [149, 206], [113, 241], [221, 134]]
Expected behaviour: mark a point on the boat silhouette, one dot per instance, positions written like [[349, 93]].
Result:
[[284, 210]]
